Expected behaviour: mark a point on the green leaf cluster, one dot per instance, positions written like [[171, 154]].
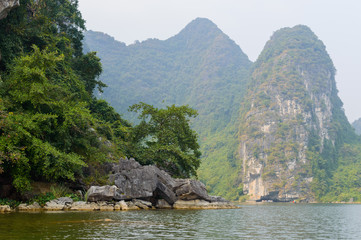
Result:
[[51, 125], [164, 137]]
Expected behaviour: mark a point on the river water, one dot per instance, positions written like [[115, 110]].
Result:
[[256, 221]]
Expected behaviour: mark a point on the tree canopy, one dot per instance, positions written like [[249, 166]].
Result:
[[164, 137], [51, 125]]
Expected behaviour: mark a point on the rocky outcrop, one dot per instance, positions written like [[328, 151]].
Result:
[[5, 208], [6, 6], [190, 189], [59, 204], [289, 116], [141, 182], [29, 207], [138, 185], [102, 193]]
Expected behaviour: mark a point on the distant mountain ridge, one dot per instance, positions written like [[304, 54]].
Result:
[[273, 129], [201, 67]]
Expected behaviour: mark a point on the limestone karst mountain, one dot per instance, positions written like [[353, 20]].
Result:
[[274, 129], [292, 121]]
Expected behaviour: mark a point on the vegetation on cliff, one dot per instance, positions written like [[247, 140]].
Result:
[[293, 128], [285, 107]]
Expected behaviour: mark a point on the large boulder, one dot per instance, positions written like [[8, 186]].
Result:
[[6, 6], [101, 193], [141, 182], [190, 189], [58, 204], [5, 208], [29, 207], [84, 206]]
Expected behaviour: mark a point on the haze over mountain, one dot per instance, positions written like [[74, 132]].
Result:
[[274, 129], [357, 125]]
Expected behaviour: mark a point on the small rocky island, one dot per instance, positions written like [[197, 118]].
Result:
[[136, 187]]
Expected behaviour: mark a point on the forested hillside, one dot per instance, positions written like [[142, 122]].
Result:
[[52, 127], [201, 67]]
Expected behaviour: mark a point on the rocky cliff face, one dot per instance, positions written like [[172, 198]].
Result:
[[6, 6], [288, 117]]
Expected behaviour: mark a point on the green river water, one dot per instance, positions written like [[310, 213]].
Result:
[[258, 221]]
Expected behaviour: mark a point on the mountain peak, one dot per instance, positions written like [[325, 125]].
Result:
[[200, 27], [201, 24]]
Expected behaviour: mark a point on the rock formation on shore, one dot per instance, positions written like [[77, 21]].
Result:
[[6, 6], [133, 182]]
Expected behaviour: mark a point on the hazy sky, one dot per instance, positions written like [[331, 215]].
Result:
[[250, 23]]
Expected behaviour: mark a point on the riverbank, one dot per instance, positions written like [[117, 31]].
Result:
[[67, 204]]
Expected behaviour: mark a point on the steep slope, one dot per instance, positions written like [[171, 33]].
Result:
[[201, 67], [292, 122], [357, 126]]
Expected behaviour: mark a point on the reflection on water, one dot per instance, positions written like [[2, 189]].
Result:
[[260, 221]]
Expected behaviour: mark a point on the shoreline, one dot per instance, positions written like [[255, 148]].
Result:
[[135, 204]]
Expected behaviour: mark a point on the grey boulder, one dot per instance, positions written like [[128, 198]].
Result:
[[101, 193], [6, 6], [142, 182], [190, 189]]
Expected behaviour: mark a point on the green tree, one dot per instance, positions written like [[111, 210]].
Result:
[[164, 137], [51, 127]]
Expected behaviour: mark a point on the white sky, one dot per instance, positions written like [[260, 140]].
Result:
[[250, 23]]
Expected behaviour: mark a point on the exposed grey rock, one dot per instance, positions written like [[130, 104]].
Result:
[[121, 205], [131, 206], [5, 208], [6, 6], [136, 181], [104, 206], [64, 200], [126, 165], [29, 207], [101, 193], [189, 189], [217, 199], [54, 206], [142, 204], [163, 204], [58, 204], [84, 206]]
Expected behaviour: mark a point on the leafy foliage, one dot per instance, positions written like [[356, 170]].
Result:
[[50, 127], [164, 138]]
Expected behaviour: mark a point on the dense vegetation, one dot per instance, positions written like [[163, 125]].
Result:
[[200, 67], [52, 127], [55, 127]]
